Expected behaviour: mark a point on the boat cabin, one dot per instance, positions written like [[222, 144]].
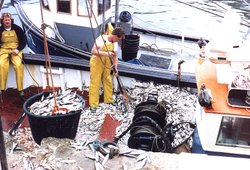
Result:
[[78, 7], [80, 19]]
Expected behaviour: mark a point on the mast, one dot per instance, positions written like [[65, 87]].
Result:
[[3, 157], [116, 11], [103, 15]]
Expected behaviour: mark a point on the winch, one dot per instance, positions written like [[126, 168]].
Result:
[[146, 130]]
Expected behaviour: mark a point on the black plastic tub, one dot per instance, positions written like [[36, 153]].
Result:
[[59, 126], [130, 47]]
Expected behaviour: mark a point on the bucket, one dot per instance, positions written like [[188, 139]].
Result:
[[130, 47], [59, 126]]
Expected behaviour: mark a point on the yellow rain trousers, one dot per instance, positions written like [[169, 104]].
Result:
[[10, 42], [100, 68]]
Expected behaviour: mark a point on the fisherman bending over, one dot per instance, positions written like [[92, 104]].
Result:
[[100, 66], [12, 41]]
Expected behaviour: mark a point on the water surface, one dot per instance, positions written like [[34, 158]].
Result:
[[188, 17]]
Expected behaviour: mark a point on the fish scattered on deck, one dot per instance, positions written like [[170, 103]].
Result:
[[181, 104]]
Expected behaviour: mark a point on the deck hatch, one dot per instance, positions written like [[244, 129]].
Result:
[[154, 61]]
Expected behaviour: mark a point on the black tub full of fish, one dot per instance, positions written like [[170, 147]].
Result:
[[54, 114]]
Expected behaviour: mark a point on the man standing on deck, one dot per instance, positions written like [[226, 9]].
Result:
[[104, 49], [12, 41]]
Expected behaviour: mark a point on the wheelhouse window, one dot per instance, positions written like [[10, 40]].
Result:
[[103, 5], [63, 6], [234, 131], [45, 4], [82, 7]]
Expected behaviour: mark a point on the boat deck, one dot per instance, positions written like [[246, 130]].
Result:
[[206, 74], [11, 109], [220, 129]]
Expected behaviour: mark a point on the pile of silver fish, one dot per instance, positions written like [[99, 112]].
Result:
[[241, 81], [182, 102], [65, 100], [58, 155]]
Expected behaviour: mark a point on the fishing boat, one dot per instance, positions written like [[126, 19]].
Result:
[[65, 66], [72, 30], [222, 115], [70, 62]]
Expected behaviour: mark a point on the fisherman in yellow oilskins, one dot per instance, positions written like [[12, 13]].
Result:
[[12, 42], [100, 66]]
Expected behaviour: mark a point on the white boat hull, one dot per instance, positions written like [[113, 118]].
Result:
[[208, 125], [35, 75]]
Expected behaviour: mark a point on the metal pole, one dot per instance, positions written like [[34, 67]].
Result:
[[1, 3], [103, 16], [3, 158], [116, 11]]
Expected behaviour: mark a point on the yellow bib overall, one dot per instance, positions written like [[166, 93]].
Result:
[[100, 68], [10, 43]]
